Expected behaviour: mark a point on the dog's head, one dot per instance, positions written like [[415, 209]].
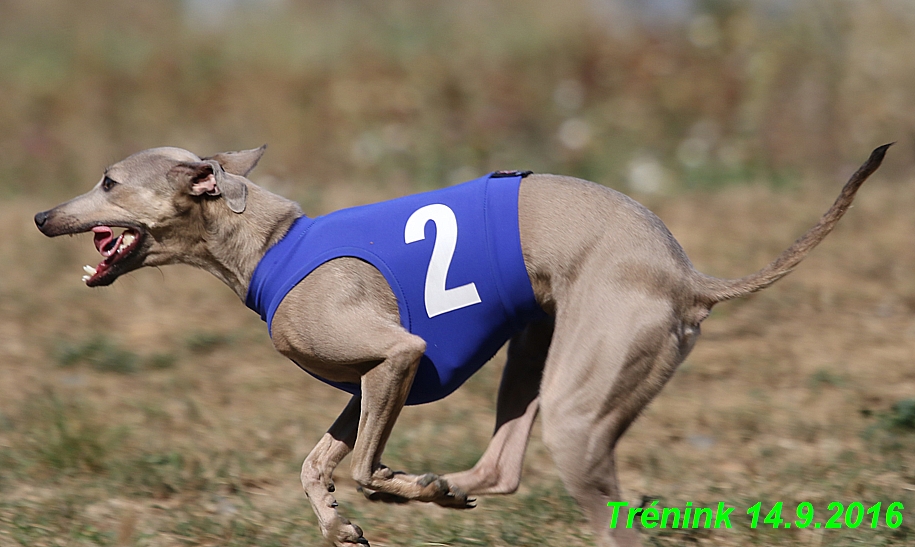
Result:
[[157, 196]]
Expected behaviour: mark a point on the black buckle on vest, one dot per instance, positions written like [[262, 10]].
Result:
[[508, 174]]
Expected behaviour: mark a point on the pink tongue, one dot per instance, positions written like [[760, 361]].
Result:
[[103, 236]]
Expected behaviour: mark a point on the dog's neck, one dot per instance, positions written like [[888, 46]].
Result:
[[237, 242]]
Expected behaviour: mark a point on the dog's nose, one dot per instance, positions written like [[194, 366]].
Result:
[[41, 218]]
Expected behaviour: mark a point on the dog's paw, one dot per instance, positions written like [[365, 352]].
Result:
[[348, 535], [428, 488], [447, 495], [455, 498]]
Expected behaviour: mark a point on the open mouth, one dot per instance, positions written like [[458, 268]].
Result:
[[115, 249]]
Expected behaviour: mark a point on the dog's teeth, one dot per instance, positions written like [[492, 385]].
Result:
[[89, 270], [86, 278], [126, 240]]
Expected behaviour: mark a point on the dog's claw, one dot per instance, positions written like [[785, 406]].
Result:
[[456, 499], [449, 495], [347, 534]]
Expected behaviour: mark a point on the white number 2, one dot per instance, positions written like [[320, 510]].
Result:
[[440, 300]]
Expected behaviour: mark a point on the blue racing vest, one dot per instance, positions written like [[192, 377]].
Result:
[[452, 258]]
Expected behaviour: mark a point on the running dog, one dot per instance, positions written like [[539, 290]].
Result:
[[400, 302]]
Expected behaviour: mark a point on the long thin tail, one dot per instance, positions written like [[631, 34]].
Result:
[[717, 290]]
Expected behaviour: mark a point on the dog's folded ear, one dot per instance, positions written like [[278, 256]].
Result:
[[207, 177], [241, 162]]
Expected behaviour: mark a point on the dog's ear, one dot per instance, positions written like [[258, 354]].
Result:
[[207, 177], [239, 163]]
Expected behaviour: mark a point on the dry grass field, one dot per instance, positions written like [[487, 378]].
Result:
[[155, 412]]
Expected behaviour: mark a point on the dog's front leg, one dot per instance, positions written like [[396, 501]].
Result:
[[317, 477], [384, 391]]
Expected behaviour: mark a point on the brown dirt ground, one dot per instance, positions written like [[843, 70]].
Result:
[[785, 397]]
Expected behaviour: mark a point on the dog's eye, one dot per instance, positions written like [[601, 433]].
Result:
[[108, 184]]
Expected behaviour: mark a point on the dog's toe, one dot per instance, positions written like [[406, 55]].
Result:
[[427, 479], [349, 535], [454, 498]]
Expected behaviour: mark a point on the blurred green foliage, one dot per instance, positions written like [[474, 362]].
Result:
[[206, 342], [103, 354], [66, 436], [420, 94], [903, 415]]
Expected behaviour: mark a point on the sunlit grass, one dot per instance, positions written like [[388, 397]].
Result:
[[155, 412]]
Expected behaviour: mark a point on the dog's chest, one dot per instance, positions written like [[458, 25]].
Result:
[[452, 257]]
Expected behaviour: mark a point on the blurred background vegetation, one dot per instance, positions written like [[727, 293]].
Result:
[[657, 95], [155, 412]]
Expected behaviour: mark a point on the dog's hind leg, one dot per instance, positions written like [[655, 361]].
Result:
[[499, 469], [593, 495], [609, 358]]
